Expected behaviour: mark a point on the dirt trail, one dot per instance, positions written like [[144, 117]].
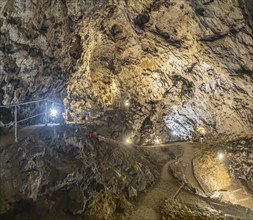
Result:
[[148, 206], [190, 151]]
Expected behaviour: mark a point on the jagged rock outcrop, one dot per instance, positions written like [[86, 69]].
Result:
[[62, 173], [178, 62], [236, 164], [38, 50], [225, 171], [212, 171], [240, 154], [174, 209]]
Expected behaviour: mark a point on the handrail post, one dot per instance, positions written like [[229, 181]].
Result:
[[66, 115], [75, 117], [46, 113], [16, 124]]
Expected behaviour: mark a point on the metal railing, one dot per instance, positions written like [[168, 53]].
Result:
[[44, 112], [118, 105]]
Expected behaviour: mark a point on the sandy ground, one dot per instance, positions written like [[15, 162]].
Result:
[[148, 206]]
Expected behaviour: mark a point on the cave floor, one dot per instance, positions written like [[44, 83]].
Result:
[[147, 207]]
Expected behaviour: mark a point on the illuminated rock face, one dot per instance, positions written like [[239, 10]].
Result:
[[178, 62], [241, 161], [212, 171], [63, 174]]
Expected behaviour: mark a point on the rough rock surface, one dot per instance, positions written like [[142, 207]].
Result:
[[178, 62], [225, 172], [63, 174], [174, 209], [240, 154], [236, 165], [212, 172]]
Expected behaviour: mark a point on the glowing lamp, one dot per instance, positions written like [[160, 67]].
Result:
[[128, 141], [221, 156], [174, 133], [201, 129], [127, 103], [53, 112], [157, 141]]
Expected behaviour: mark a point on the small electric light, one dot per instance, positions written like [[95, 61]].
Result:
[[203, 132], [53, 112], [128, 141], [157, 141], [127, 103], [201, 129], [221, 156], [174, 133]]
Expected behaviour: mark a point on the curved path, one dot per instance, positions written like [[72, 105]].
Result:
[[148, 206]]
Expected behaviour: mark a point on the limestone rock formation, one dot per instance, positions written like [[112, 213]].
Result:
[[236, 164], [212, 171], [240, 154], [174, 209], [225, 172], [179, 63], [63, 174]]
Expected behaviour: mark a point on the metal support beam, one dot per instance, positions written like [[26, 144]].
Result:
[[46, 113], [16, 124]]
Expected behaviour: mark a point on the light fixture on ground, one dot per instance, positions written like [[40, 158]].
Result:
[[157, 141], [53, 112], [201, 129], [128, 141], [221, 156], [174, 133], [127, 103]]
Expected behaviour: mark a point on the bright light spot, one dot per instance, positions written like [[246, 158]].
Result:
[[128, 141], [53, 112], [201, 129], [157, 141], [173, 133], [221, 156], [127, 103]]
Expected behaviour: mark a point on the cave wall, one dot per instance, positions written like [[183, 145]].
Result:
[[179, 63], [38, 50], [63, 174]]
